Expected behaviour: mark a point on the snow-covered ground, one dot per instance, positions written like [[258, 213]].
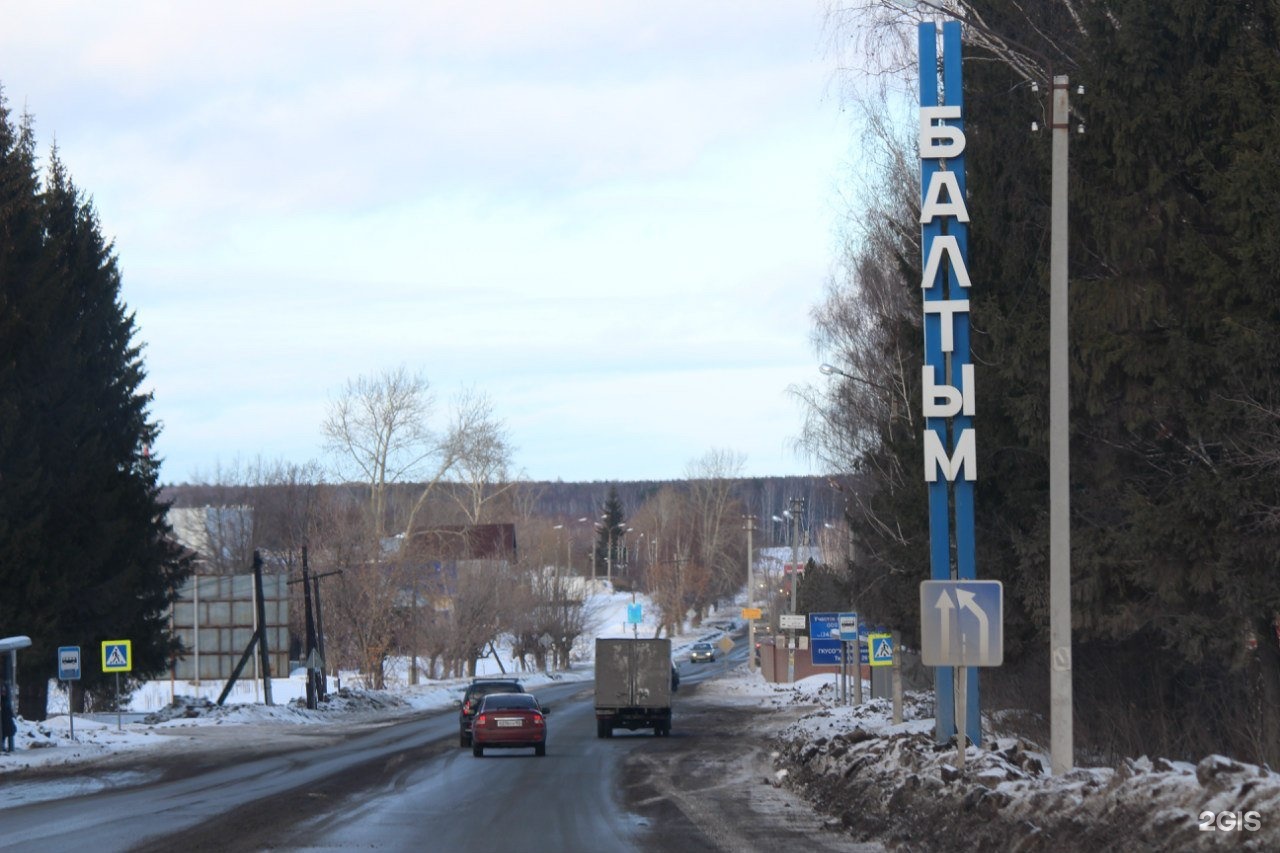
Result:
[[885, 782], [895, 784]]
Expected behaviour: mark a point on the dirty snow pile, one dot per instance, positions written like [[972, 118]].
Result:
[[895, 784]]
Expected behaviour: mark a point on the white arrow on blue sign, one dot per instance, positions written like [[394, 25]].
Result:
[[962, 623]]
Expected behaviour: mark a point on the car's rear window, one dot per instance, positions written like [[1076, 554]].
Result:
[[509, 701], [480, 690]]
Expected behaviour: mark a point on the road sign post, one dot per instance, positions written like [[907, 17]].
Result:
[[69, 670], [791, 622], [117, 657], [961, 625], [847, 624]]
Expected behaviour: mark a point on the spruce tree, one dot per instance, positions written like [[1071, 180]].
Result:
[[91, 559], [609, 534], [1174, 338]]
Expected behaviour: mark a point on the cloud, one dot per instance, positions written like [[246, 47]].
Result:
[[610, 216]]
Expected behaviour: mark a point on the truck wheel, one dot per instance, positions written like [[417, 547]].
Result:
[[464, 741], [603, 729], [477, 750]]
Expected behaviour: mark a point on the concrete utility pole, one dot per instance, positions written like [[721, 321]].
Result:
[[1060, 711], [751, 597], [797, 507]]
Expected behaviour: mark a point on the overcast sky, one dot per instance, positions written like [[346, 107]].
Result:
[[610, 217]]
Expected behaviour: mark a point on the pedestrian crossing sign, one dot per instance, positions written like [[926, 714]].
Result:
[[117, 655], [881, 649]]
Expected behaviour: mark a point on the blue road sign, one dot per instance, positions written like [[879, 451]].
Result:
[[962, 623], [116, 656], [824, 639], [881, 649], [635, 614], [824, 652], [68, 663], [848, 623]]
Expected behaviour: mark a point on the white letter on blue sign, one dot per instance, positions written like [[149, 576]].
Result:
[[934, 206], [935, 457], [940, 140], [944, 244], [947, 309], [946, 401]]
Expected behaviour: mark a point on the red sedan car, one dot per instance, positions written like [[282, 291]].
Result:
[[509, 721]]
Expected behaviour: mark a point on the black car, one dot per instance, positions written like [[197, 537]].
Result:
[[470, 702]]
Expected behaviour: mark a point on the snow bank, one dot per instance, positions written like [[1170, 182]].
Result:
[[896, 785]]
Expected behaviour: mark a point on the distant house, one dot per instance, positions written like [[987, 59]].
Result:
[[781, 561], [442, 553], [463, 542]]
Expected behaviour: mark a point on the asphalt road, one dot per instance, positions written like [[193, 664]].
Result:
[[408, 786]]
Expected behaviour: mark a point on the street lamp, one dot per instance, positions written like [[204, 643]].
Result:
[[830, 370], [568, 548], [608, 556]]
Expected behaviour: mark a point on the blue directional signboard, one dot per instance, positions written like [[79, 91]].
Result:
[[962, 623], [824, 639], [635, 614]]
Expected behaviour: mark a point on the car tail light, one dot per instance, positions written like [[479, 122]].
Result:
[[480, 720], [537, 720], [466, 707]]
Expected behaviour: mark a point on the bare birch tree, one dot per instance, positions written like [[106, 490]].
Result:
[[717, 517], [381, 430]]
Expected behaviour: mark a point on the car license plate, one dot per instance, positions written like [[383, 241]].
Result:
[[509, 722]]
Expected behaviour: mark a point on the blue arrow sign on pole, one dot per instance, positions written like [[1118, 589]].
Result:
[[962, 623]]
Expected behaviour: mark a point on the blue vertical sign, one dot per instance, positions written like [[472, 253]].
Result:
[[950, 442], [824, 639]]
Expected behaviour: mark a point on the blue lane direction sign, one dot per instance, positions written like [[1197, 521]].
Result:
[[962, 623], [68, 663], [824, 639]]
